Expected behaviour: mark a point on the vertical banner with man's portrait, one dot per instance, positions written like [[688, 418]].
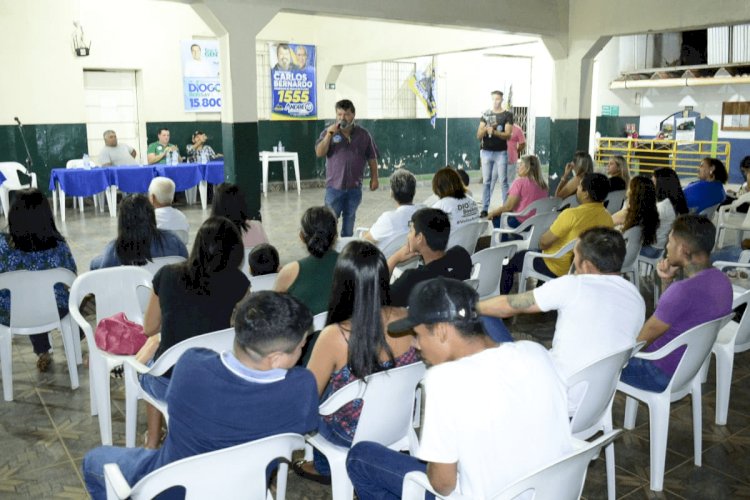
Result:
[[293, 94], [200, 75]]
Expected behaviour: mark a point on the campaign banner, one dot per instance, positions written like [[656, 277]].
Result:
[[293, 95], [201, 86], [422, 83]]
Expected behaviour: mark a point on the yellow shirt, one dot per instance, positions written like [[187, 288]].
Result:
[[568, 226]]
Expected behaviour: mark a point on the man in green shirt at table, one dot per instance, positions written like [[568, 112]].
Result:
[[157, 151]]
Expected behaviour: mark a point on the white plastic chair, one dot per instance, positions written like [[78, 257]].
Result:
[[33, 309], [733, 337], [709, 212], [594, 386], [392, 245], [536, 225], [245, 266], [391, 391], [264, 282], [686, 380], [10, 170], [319, 321], [236, 473], [648, 264], [563, 479], [569, 202], [632, 250], [528, 270], [467, 235], [115, 291], [490, 262], [540, 206], [157, 263], [614, 201], [98, 197], [218, 341]]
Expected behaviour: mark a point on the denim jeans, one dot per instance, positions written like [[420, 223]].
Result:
[[344, 203], [643, 374], [730, 253], [496, 329], [130, 460], [515, 265], [494, 168], [377, 473], [334, 435], [40, 342]]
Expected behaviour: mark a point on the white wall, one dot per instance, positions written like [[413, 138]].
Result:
[[44, 81]]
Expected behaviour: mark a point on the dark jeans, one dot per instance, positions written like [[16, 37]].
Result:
[[334, 434], [496, 329], [344, 203], [643, 374], [515, 266], [377, 473], [40, 342]]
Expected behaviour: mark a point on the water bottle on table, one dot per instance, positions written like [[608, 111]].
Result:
[[86, 161]]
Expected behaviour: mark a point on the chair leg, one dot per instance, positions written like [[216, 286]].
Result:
[[697, 423], [658, 433], [631, 410], [724, 367], [132, 393], [609, 454], [70, 354], [6, 361], [341, 486], [281, 477], [100, 374]]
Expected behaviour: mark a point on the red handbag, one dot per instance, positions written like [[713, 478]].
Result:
[[118, 335]]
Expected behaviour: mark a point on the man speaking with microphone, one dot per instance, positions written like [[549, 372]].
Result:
[[347, 149]]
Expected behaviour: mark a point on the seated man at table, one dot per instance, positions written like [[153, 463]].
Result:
[[114, 153], [491, 415], [168, 218], [157, 151]]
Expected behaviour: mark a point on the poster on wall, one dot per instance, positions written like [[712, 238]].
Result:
[[685, 130], [201, 86], [422, 83], [293, 94]]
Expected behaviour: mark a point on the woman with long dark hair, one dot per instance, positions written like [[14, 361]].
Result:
[[355, 343], [640, 210], [138, 239], [309, 279], [33, 243], [192, 298], [670, 202], [581, 165], [708, 190], [229, 201]]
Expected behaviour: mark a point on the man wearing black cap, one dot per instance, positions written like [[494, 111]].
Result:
[[199, 150], [483, 408]]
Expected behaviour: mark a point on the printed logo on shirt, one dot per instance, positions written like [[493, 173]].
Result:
[[336, 139], [159, 148]]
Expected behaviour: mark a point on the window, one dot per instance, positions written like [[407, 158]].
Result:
[[735, 116], [388, 92]]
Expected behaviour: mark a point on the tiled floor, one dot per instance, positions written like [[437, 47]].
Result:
[[46, 430]]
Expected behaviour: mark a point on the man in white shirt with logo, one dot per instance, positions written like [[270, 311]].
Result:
[[168, 218], [114, 153], [492, 413], [396, 222], [598, 311]]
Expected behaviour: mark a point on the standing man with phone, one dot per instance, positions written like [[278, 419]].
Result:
[[347, 148], [495, 128]]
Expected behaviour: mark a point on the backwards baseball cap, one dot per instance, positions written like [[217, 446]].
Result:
[[198, 132], [439, 300]]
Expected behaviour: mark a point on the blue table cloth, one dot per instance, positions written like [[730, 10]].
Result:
[[131, 179], [213, 172], [184, 175], [79, 181]]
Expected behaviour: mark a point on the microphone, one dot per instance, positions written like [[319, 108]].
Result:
[[17, 121], [343, 124]]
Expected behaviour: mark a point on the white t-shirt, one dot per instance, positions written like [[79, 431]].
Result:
[[117, 155], [597, 315], [171, 219], [459, 211], [666, 218], [499, 414], [393, 223]]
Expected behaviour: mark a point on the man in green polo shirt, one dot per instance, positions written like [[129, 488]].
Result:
[[157, 151]]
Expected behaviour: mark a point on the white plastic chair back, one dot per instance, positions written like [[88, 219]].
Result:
[[490, 262], [158, 262], [528, 270], [264, 282], [115, 291], [698, 340], [709, 212], [467, 235], [538, 224], [569, 202], [245, 266], [632, 246], [391, 246], [319, 321], [10, 170], [33, 309], [218, 341], [75, 163], [597, 383], [563, 479], [742, 338], [540, 206], [614, 201], [233, 473], [473, 283]]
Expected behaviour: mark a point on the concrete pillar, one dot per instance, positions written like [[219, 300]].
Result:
[[236, 26], [571, 100]]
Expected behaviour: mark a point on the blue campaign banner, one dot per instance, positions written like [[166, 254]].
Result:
[[201, 86], [293, 95]]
